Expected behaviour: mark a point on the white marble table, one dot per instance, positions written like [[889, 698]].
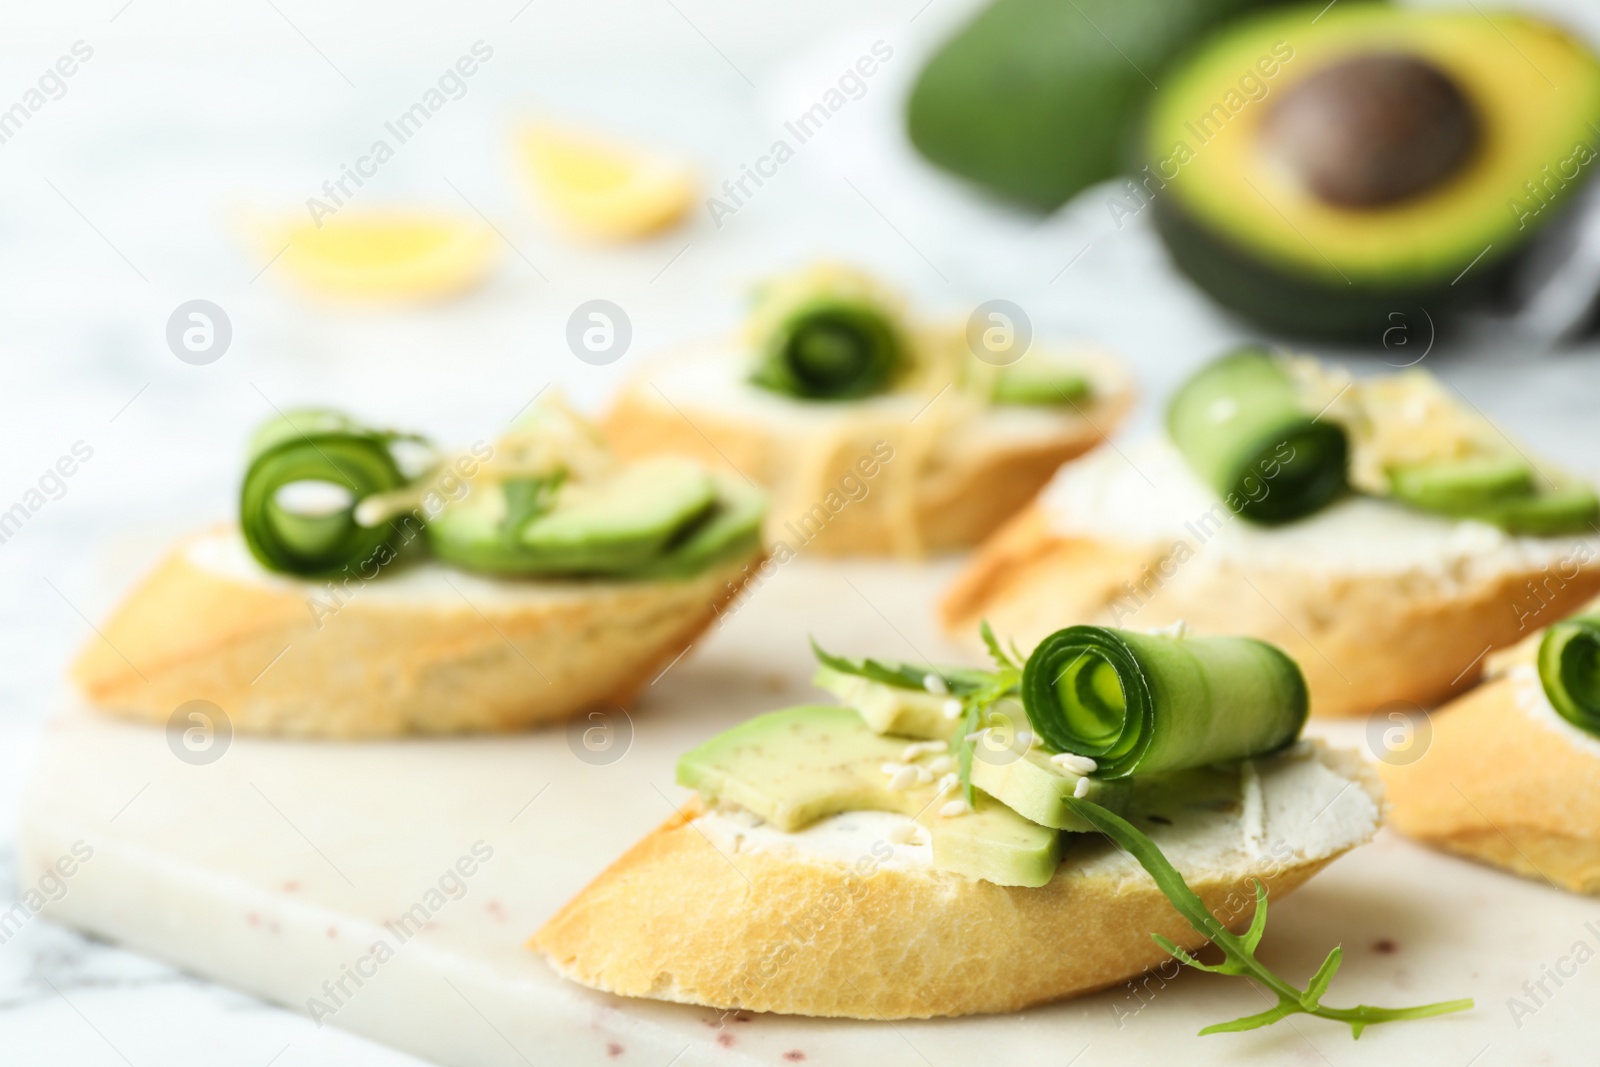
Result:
[[122, 199]]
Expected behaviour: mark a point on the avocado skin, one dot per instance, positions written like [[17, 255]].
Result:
[[1396, 317], [1030, 101]]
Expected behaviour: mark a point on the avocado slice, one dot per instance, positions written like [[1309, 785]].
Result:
[[1040, 383], [731, 527], [622, 522], [1033, 99], [472, 533], [656, 518], [796, 766], [1037, 789], [1568, 508], [1335, 177], [1499, 490], [1029, 784], [1461, 486], [889, 709]]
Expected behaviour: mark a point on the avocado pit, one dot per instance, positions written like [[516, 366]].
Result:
[[1373, 130]]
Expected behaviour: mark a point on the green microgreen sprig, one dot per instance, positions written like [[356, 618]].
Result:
[[1239, 949], [994, 686]]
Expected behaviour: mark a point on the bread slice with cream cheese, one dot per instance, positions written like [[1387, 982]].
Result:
[[848, 918], [1378, 603], [904, 473], [1502, 778], [427, 649]]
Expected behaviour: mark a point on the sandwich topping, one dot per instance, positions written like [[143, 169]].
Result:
[[1095, 724], [830, 333], [1569, 670], [1280, 438], [324, 494]]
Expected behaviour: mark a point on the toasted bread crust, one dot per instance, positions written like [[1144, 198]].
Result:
[[380, 667], [1363, 641], [946, 488], [1502, 789], [676, 919]]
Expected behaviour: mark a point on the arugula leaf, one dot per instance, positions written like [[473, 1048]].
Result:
[[1239, 949], [992, 643], [898, 675], [959, 681]]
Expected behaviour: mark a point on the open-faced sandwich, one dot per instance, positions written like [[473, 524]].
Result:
[[374, 587], [1510, 773], [1383, 531], [959, 840], [873, 432]]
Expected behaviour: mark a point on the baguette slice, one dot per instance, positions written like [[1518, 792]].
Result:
[[837, 920], [424, 650], [897, 474], [1378, 603], [1506, 781]]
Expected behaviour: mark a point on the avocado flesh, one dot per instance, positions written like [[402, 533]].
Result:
[[1029, 784], [1040, 386], [622, 522], [1568, 508], [731, 528], [796, 766], [888, 709], [1461, 486], [1263, 245], [471, 534], [479, 532], [1033, 99], [1500, 490], [1037, 789]]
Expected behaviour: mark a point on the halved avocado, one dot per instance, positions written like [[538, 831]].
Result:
[[1033, 99], [1369, 167]]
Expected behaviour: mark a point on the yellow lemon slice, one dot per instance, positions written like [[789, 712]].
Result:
[[603, 189], [388, 255]]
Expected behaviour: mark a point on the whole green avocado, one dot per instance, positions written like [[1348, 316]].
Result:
[[1035, 99]]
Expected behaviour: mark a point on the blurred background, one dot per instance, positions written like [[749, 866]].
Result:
[[176, 160]]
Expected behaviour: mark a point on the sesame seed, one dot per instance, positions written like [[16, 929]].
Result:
[[952, 708], [935, 685], [1076, 764], [904, 779], [922, 748], [947, 783], [1081, 790], [942, 764], [954, 808]]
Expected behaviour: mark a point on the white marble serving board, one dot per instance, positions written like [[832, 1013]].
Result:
[[276, 867]]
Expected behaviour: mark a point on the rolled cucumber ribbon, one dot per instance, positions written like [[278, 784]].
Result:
[[349, 461], [1241, 425], [831, 349], [827, 332], [1569, 670], [1145, 703]]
